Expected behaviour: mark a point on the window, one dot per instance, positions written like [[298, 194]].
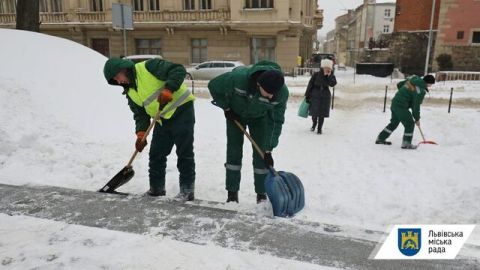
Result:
[[258, 3], [51, 6], [460, 34], [57, 5], [387, 13], [7, 6], [205, 4], [199, 50], [43, 6], [154, 5], [188, 4], [476, 37], [96, 5], [229, 65], [386, 28], [148, 46], [206, 65], [138, 5], [262, 49], [218, 65]]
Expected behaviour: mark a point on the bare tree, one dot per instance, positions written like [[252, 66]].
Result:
[[28, 15]]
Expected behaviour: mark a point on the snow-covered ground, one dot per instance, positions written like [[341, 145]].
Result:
[[31, 243], [62, 125]]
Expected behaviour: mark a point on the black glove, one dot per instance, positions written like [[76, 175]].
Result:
[[231, 115], [267, 157]]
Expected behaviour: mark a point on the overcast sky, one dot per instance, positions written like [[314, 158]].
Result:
[[335, 8]]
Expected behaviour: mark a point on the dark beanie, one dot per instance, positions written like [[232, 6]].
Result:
[[429, 79], [271, 81]]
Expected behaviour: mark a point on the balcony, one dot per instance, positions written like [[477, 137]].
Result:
[[53, 17], [87, 17], [138, 17], [181, 16], [7, 18]]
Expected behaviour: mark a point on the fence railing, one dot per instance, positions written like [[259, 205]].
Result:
[[139, 16], [91, 16], [7, 18], [177, 16], [53, 17], [302, 71], [457, 76]]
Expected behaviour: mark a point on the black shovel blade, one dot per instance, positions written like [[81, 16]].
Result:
[[121, 178]]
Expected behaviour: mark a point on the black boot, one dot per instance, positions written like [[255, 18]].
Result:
[[408, 145], [261, 197], [378, 141], [320, 125], [155, 192], [232, 196], [314, 123]]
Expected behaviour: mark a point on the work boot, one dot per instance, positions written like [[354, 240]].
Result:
[[408, 145], [232, 196], [378, 141], [155, 192], [261, 197], [185, 196]]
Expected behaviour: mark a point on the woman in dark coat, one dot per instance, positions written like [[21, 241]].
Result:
[[318, 94]]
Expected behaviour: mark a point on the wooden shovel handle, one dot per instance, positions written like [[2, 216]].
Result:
[[421, 132], [150, 127], [255, 145]]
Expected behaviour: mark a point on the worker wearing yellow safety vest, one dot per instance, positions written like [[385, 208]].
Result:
[[149, 86]]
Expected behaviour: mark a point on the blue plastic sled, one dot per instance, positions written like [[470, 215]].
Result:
[[285, 192]]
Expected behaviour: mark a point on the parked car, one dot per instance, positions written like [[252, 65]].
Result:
[[316, 58], [211, 69], [142, 57]]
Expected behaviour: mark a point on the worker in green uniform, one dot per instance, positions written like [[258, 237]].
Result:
[[256, 97], [151, 86], [410, 95]]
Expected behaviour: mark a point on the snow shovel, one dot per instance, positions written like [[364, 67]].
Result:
[[125, 174], [285, 191], [423, 137]]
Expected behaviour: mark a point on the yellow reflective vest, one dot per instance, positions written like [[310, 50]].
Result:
[[148, 89]]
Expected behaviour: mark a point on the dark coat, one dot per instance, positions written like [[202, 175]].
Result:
[[318, 94]]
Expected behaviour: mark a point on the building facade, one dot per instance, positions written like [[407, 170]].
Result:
[[361, 29], [459, 34], [414, 16], [187, 31]]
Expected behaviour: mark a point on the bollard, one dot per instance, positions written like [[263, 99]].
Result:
[[333, 97], [385, 99], [450, 102]]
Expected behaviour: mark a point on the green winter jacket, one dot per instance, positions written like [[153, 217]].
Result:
[[410, 95], [238, 91], [172, 74]]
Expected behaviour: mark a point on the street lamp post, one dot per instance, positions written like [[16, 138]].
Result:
[[430, 38]]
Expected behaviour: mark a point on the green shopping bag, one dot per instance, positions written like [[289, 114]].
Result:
[[303, 109]]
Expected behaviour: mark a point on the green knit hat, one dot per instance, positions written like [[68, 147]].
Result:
[[115, 65]]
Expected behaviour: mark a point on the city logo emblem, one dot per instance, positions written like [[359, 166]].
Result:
[[409, 241]]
